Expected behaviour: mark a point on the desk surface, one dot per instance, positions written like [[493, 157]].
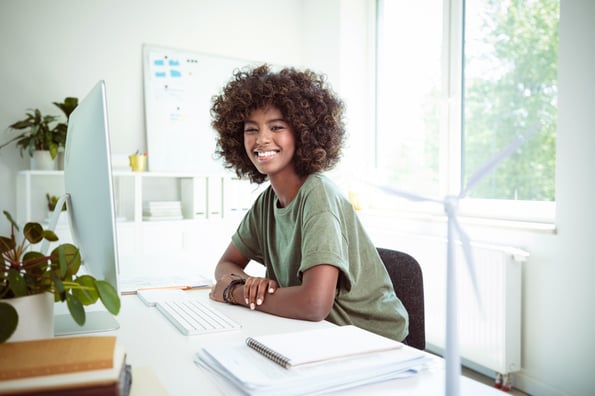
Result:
[[154, 345]]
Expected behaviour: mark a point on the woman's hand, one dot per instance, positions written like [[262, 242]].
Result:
[[256, 289]]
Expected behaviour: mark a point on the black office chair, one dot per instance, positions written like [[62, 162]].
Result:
[[405, 273]]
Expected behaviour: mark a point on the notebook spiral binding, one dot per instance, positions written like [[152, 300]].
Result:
[[267, 352]]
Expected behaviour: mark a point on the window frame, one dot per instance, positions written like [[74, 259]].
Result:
[[536, 215]]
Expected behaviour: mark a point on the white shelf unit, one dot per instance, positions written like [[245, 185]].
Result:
[[211, 209], [201, 196]]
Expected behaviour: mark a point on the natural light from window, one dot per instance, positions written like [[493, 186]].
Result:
[[456, 88]]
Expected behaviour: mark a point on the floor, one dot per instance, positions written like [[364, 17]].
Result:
[[490, 381]]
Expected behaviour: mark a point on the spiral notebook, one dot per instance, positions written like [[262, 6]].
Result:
[[320, 345]]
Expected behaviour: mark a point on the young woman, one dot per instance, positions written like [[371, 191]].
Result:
[[287, 127]]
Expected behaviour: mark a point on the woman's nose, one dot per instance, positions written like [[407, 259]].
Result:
[[263, 136]]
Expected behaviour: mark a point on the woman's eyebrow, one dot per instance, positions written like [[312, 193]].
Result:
[[276, 120]]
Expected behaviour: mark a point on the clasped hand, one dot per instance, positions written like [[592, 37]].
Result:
[[254, 290]]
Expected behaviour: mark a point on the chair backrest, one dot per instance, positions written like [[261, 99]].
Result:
[[406, 276]]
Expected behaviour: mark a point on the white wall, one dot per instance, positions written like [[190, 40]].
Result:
[[55, 49], [59, 48], [571, 277]]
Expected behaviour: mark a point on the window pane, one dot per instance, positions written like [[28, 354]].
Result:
[[408, 93], [510, 89]]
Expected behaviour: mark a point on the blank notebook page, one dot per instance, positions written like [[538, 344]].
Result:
[[311, 346]]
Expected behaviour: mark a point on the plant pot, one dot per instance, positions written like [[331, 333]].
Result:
[[36, 317], [42, 160], [60, 159]]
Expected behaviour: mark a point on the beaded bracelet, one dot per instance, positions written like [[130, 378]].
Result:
[[228, 291]]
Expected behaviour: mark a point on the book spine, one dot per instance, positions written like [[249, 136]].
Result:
[[267, 352]]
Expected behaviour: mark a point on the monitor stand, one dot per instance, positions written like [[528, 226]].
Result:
[[96, 321]]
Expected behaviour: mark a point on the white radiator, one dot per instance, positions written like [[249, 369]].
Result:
[[490, 335]]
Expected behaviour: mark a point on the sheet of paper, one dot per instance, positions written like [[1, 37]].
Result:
[[181, 281]]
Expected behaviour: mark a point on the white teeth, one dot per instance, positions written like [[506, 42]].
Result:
[[266, 153]]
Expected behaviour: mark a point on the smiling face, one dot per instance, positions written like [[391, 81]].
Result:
[[269, 142]]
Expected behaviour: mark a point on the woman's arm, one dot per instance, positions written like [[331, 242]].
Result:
[[231, 267], [312, 300], [232, 262]]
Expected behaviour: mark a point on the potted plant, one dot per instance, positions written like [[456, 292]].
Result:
[[25, 272], [53, 201], [43, 132], [67, 107]]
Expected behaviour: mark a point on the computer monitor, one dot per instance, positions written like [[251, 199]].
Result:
[[90, 202]]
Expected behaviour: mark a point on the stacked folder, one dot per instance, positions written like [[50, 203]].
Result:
[[162, 210]]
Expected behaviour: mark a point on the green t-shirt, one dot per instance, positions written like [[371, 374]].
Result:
[[320, 226]]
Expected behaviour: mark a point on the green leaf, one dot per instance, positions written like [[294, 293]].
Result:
[[68, 105], [35, 263], [109, 296], [88, 294], [21, 124], [11, 220], [6, 244], [50, 235], [33, 232], [53, 149], [77, 311], [9, 322], [66, 260], [60, 291], [17, 283]]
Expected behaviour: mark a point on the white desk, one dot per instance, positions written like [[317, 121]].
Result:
[[152, 342]]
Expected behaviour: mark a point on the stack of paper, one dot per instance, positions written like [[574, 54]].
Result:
[[240, 369], [162, 210]]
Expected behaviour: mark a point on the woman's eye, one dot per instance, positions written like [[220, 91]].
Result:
[[250, 130], [277, 128]]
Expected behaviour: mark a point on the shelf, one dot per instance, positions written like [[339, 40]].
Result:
[[212, 206], [201, 196]]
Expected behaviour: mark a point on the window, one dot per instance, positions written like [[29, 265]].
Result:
[[459, 81]]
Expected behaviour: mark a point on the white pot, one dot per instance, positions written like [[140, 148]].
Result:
[[36, 317], [60, 159], [42, 160]]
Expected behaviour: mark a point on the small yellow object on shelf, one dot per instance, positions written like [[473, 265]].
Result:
[[138, 162]]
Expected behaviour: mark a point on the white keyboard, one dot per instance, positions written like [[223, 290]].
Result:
[[192, 317]]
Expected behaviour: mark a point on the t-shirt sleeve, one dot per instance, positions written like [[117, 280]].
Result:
[[246, 238], [324, 243]]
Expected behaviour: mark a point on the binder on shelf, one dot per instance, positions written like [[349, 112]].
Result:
[[215, 197], [194, 195]]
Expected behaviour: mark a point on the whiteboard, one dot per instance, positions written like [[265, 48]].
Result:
[[178, 87]]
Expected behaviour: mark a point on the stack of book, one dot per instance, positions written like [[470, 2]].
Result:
[[92, 365], [162, 210], [309, 362]]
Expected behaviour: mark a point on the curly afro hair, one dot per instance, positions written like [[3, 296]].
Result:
[[307, 104]]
